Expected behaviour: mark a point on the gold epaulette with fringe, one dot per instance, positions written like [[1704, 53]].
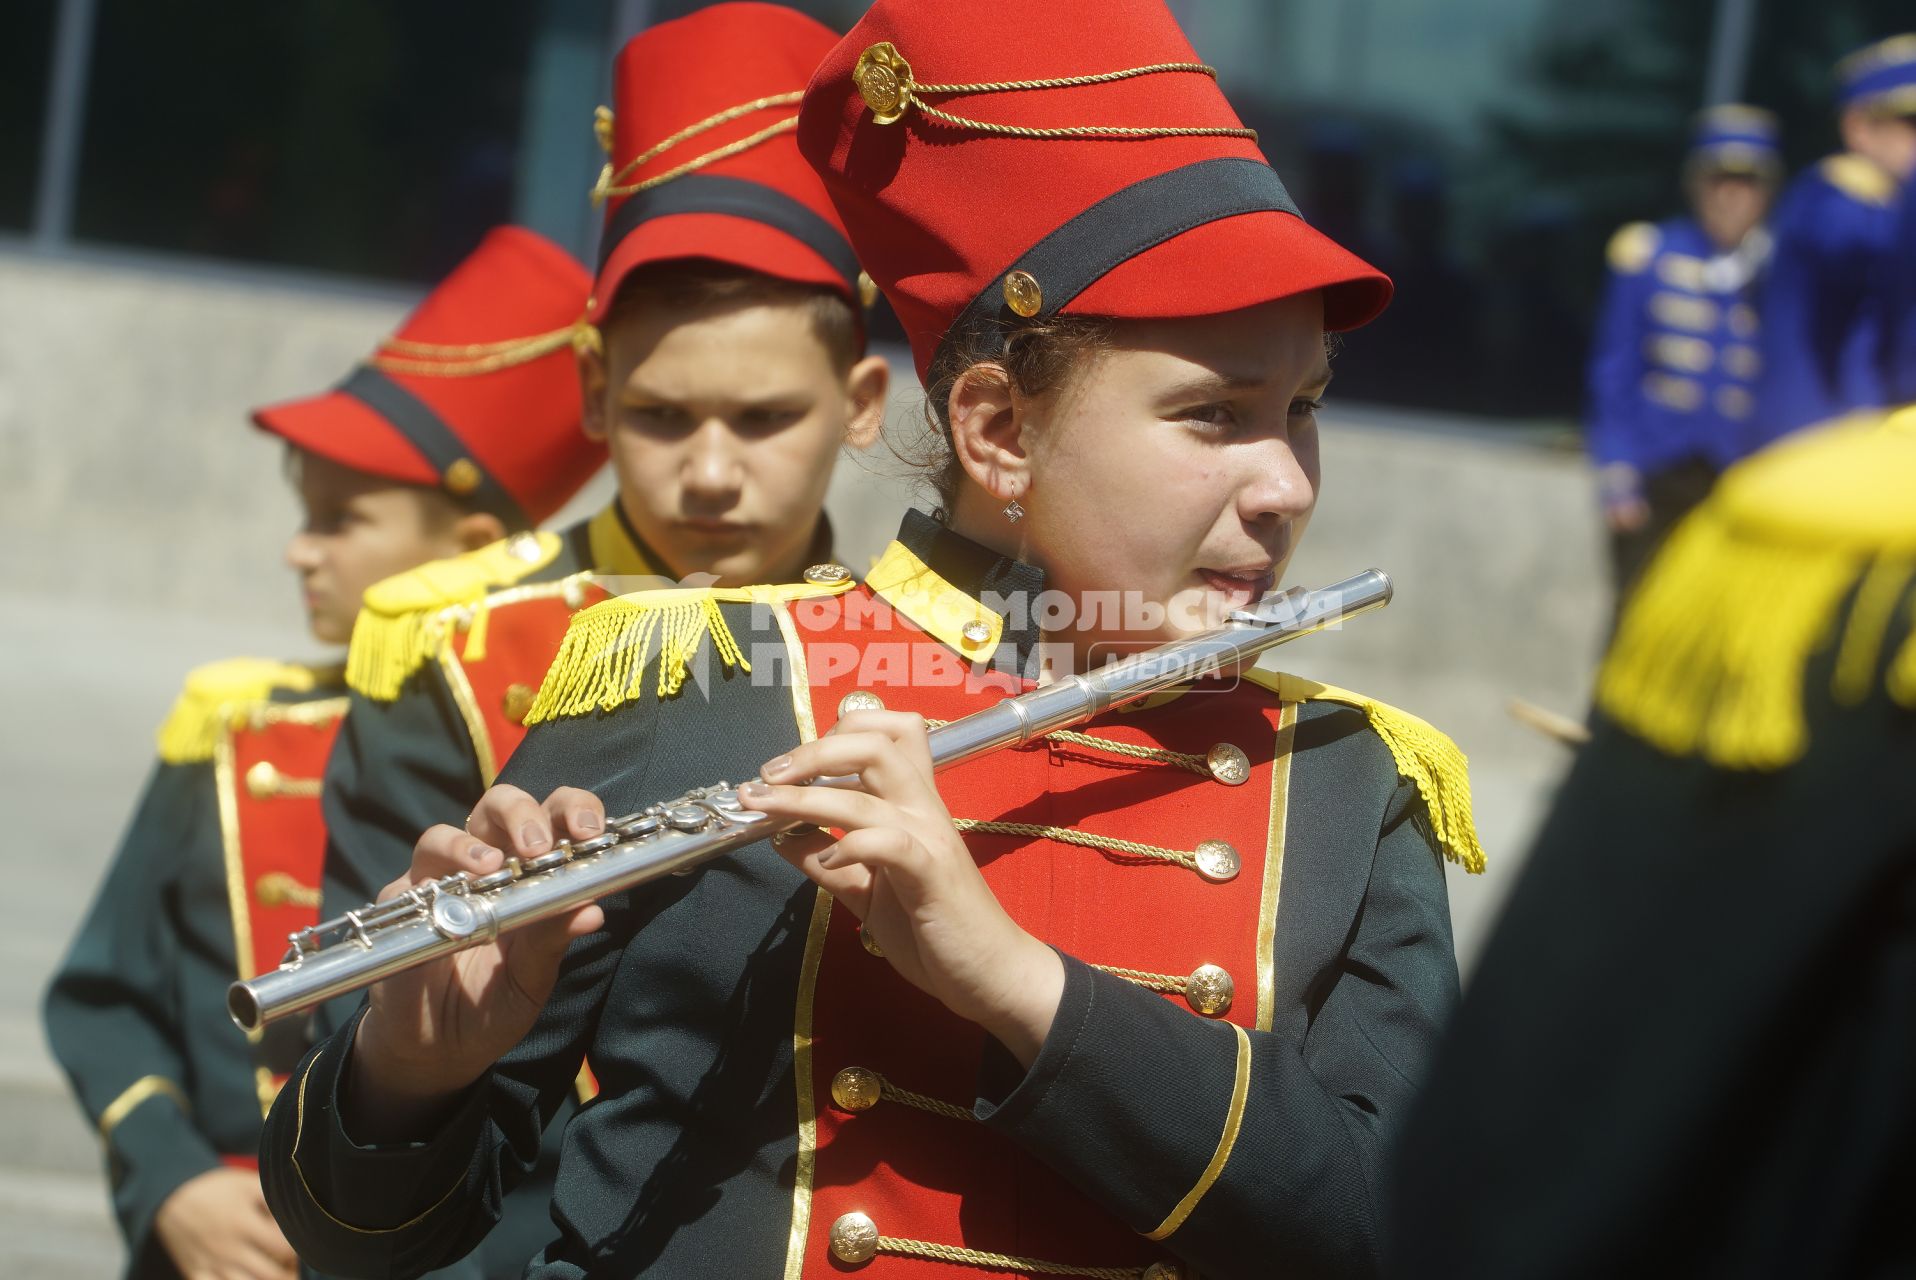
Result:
[[1425, 756], [188, 733], [602, 663], [1860, 178], [405, 618], [1809, 544]]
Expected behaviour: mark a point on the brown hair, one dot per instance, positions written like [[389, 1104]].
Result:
[[1038, 356], [688, 283]]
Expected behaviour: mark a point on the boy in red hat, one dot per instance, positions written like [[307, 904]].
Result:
[[462, 428], [1139, 1000], [727, 373]]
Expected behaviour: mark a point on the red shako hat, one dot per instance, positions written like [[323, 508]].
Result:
[[996, 159], [701, 162], [477, 392]]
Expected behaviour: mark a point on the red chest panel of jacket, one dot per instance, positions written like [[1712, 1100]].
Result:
[[1092, 841], [495, 669], [268, 764]]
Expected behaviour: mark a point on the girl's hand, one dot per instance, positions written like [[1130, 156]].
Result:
[[904, 872]]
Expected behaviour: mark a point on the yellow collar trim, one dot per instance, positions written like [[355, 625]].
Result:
[[909, 585], [613, 551], [1424, 756]]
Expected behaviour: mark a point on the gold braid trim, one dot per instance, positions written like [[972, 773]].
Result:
[[140, 1091], [1068, 835], [455, 360], [884, 80], [1169, 983], [602, 662], [607, 185], [999, 1261], [1156, 755], [923, 1102]]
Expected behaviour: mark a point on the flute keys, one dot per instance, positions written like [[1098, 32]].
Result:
[[686, 817], [547, 861], [496, 880], [596, 845], [637, 826]]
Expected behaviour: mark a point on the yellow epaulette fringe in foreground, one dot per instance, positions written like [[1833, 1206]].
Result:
[[1711, 656], [188, 734], [1425, 755], [602, 662], [405, 618]]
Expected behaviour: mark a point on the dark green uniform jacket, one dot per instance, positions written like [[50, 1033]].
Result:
[[137, 1012], [689, 1161], [1690, 1046]]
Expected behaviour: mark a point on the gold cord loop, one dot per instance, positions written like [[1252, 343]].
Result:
[[1067, 835], [464, 360], [884, 80], [607, 185], [999, 1261]]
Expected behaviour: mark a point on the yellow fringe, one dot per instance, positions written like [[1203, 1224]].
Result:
[[407, 618], [1424, 756], [190, 729], [601, 664]]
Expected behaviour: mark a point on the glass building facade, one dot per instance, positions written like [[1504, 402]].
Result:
[[1481, 151]]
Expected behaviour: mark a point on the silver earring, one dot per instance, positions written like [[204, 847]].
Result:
[[1014, 512]]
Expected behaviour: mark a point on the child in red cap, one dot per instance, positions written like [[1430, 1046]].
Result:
[[1143, 999], [425, 450], [725, 371]]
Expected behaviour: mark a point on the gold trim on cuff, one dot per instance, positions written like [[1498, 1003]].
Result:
[[141, 1090], [1233, 1118]]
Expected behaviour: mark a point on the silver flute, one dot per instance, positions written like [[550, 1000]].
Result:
[[440, 917]]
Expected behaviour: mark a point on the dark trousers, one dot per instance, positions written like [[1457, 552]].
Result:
[[1670, 493]]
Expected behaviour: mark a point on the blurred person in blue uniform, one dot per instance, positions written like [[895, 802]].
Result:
[[1899, 347], [1825, 302], [1674, 361]]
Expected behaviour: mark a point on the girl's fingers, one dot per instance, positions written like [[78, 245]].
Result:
[[821, 806], [803, 848], [442, 851], [576, 812], [907, 731], [509, 819], [877, 761]]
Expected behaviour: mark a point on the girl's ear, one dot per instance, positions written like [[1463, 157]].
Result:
[[986, 429], [592, 383]]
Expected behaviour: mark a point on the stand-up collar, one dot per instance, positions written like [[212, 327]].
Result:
[[617, 550], [980, 604]]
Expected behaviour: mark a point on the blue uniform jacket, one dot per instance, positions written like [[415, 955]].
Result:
[[1675, 361], [1899, 348], [1823, 301]]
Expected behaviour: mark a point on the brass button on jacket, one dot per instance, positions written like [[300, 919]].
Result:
[[1209, 990], [854, 1238], [856, 1089], [1217, 861]]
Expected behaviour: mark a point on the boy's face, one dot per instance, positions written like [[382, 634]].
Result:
[[360, 528], [723, 423]]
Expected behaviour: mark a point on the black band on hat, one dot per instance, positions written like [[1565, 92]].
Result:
[[740, 198], [1075, 256], [460, 474]]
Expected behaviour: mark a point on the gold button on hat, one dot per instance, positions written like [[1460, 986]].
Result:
[[827, 573], [1022, 294], [854, 1238], [518, 702], [1228, 764], [1217, 861], [859, 700], [1208, 990], [462, 476], [870, 943], [856, 1089], [883, 78]]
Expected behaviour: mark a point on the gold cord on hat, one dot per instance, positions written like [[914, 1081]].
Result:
[[885, 81], [607, 186], [465, 360]]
